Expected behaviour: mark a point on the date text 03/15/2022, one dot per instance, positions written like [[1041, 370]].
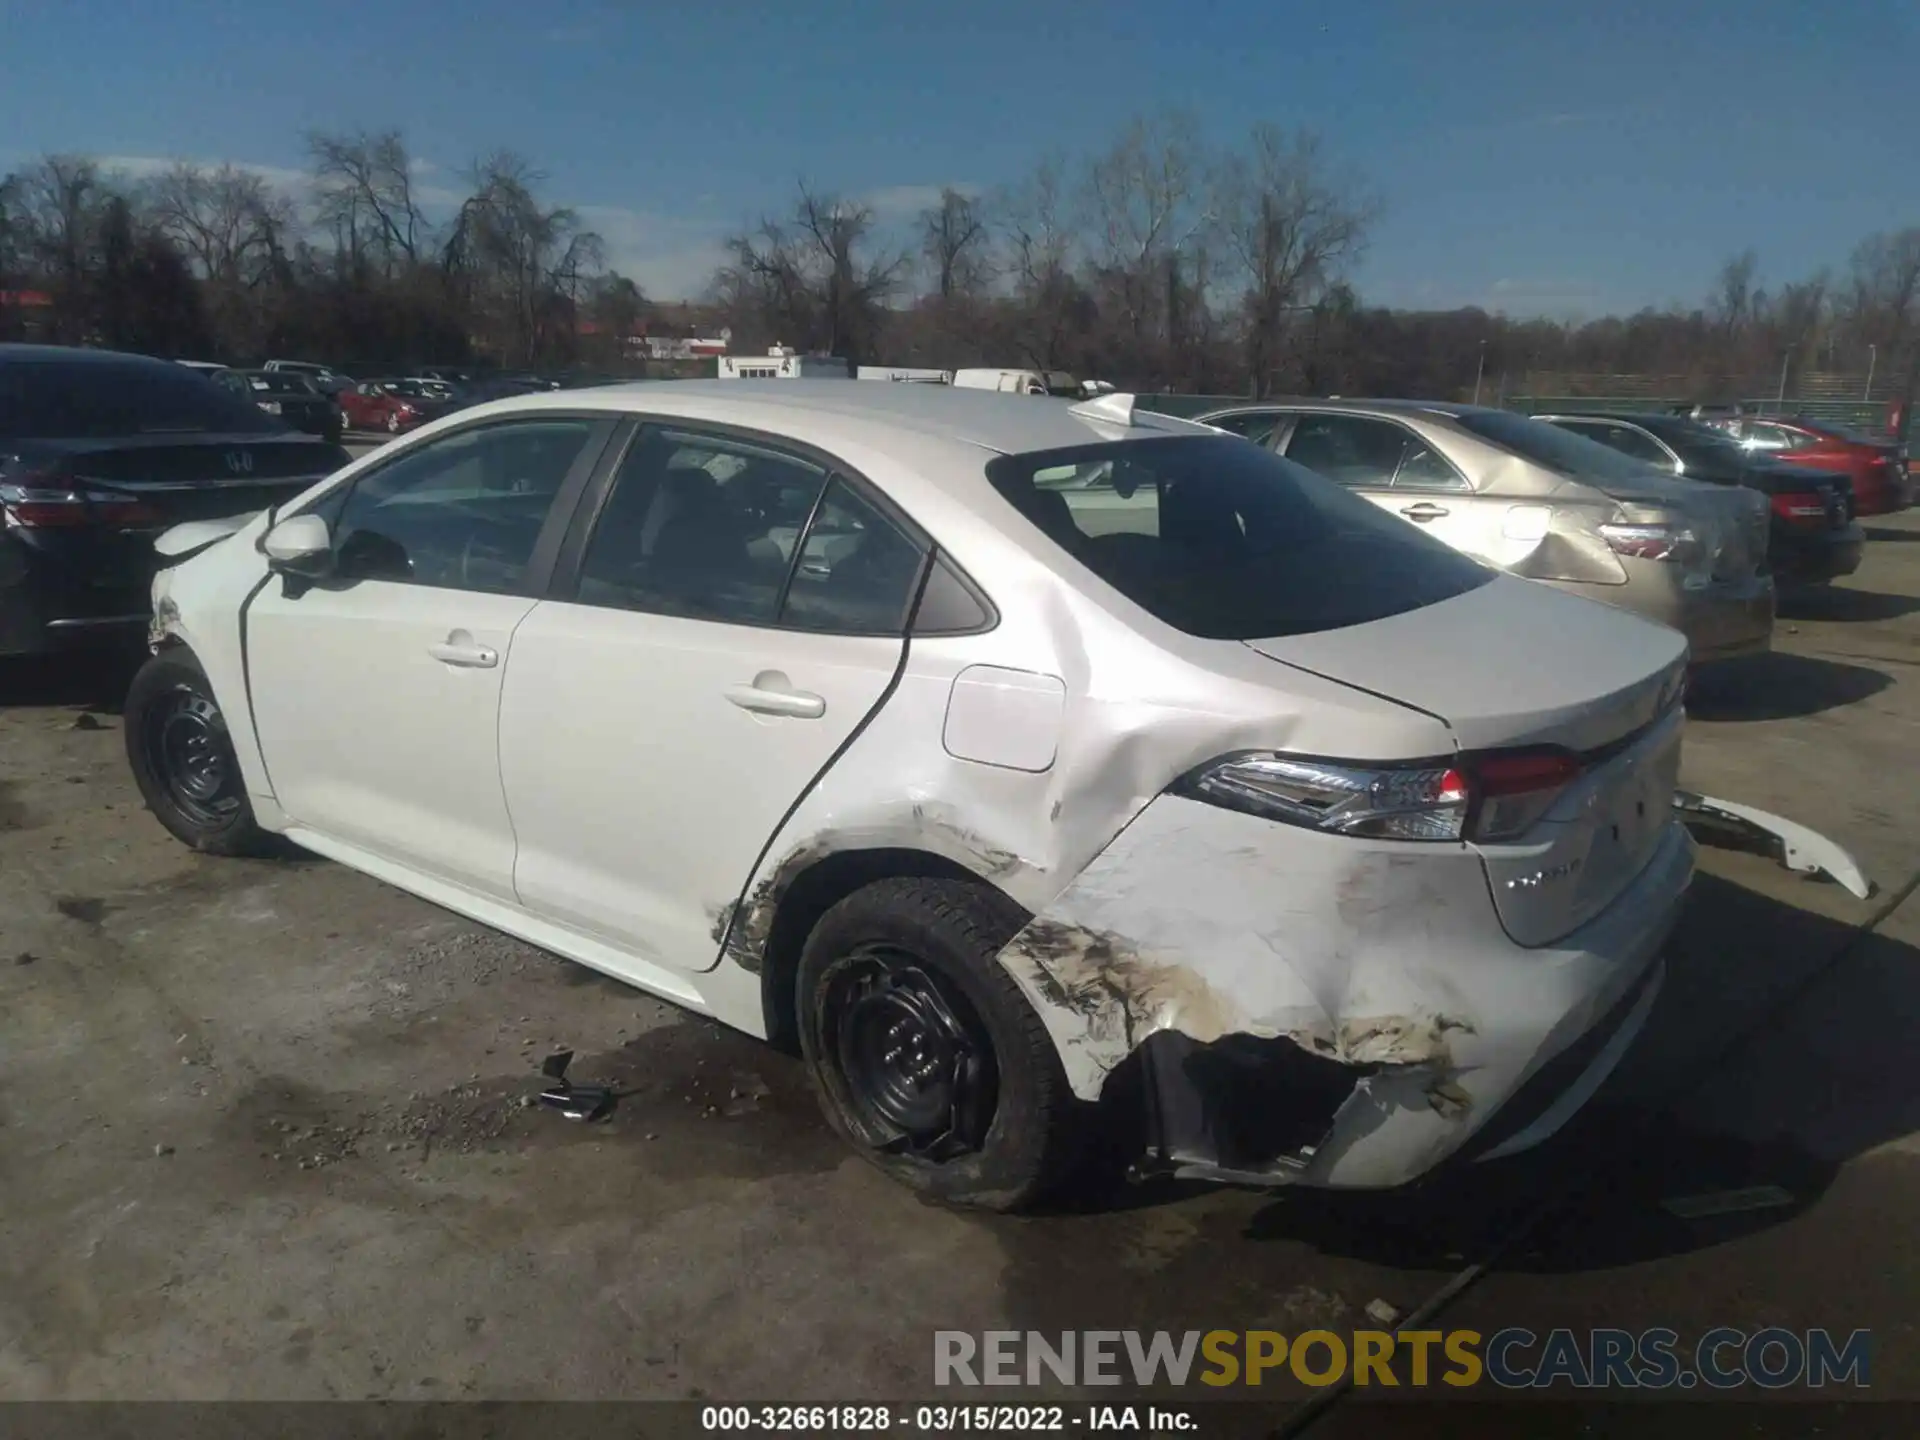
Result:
[[943, 1419]]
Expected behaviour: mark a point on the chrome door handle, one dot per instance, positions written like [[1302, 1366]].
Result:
[[471, 657], [1426, 510], [761, 701]]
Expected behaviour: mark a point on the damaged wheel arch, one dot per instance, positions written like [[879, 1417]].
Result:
[[766, 932]]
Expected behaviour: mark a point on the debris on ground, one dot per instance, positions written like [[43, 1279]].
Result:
[[1726, 1202], [160, 1150], [1382, 1312], [576, 1102], [84, 721], [25, 957]]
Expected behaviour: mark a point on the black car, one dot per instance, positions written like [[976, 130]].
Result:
[[291, 396], [1814, 537], [99, 453]]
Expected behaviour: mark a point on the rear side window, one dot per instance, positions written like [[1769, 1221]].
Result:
[[117, 399], [1225, 541], [715, 528], [1552, 448]]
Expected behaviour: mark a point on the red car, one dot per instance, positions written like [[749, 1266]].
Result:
[[1878, 468], [390, 405]]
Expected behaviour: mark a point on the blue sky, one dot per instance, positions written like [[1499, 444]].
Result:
[[1530, 156]]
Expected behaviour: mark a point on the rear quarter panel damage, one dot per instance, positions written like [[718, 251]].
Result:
[[1387, 958]]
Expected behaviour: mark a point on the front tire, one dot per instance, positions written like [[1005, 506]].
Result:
[[924, 1053], [183, 760]]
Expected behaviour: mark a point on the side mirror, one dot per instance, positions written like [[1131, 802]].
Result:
[[300, 546]]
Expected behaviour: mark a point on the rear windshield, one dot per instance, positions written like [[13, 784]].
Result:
[[280, 382], [1229, 542], [107, 400], [1560, 451]]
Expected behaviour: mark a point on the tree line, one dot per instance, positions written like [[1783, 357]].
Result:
[[1161, 261]]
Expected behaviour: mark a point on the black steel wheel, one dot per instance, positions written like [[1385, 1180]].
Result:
[[187, 747], [183, 760], [924, 1052], [918, 1064]]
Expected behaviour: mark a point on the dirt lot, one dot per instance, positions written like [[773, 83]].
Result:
[[265, 1128]]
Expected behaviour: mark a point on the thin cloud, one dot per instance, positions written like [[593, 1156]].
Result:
[[145, 167], [894, 201], [670, 257]]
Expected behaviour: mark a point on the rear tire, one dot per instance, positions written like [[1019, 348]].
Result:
[[183, 760], [925, 1054]]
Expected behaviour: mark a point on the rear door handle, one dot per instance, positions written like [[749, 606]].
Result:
[[471, 657], [1426, 510], [763, 698]]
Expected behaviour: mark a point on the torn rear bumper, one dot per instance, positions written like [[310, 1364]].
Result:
[[1301, 1008]]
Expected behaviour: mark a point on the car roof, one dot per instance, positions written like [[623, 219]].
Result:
[[73, 354], [1006, 423], [1445, 409], [1650, 418]]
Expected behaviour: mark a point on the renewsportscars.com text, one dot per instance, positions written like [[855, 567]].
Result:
[[1723, 1358]]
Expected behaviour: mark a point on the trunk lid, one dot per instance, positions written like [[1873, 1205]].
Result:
[[176, 480], [1509, 663], [1507, 667]]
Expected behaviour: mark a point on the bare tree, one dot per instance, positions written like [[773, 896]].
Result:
[[1735, 295], [1147, 204], [363, 195], [59, 203], [1883, 301], [227, 221], [1291, 227], [815, 278], [954, 239], [1042, 246], [517, 258]]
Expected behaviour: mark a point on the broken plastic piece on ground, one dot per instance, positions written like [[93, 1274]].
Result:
[[1726, 1202], [576, 1102], [1804, 851]]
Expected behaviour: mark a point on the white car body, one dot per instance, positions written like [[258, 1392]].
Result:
[[644, 792]]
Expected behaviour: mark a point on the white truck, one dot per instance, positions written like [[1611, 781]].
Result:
[[1029, 382]]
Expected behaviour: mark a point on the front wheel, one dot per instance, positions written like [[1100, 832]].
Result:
[[924, 1052], [183, 760]]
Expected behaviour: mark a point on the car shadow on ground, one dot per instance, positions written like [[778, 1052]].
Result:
[[1842, 603], [1779, 686], [1880, 533], [1781, 1048], [93, 680]]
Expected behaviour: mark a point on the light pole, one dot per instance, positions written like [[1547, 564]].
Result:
[[1786, 359], [1479, 370], [1873, 359]]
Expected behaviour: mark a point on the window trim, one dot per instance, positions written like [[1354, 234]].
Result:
[[1578, 424], [538, 573], [564, 582]]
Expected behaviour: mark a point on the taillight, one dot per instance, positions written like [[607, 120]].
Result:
[[1383, 803], [1514, 788], [1496, 796], [1677, 544], [1800, 509], [28, 507]]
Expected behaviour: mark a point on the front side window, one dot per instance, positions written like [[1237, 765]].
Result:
[[462, 512], [1225, 541]]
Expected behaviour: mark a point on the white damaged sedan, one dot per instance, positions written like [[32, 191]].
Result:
[[1003, 757]]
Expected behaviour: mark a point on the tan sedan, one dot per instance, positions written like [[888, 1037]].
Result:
[[1545, 505]]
